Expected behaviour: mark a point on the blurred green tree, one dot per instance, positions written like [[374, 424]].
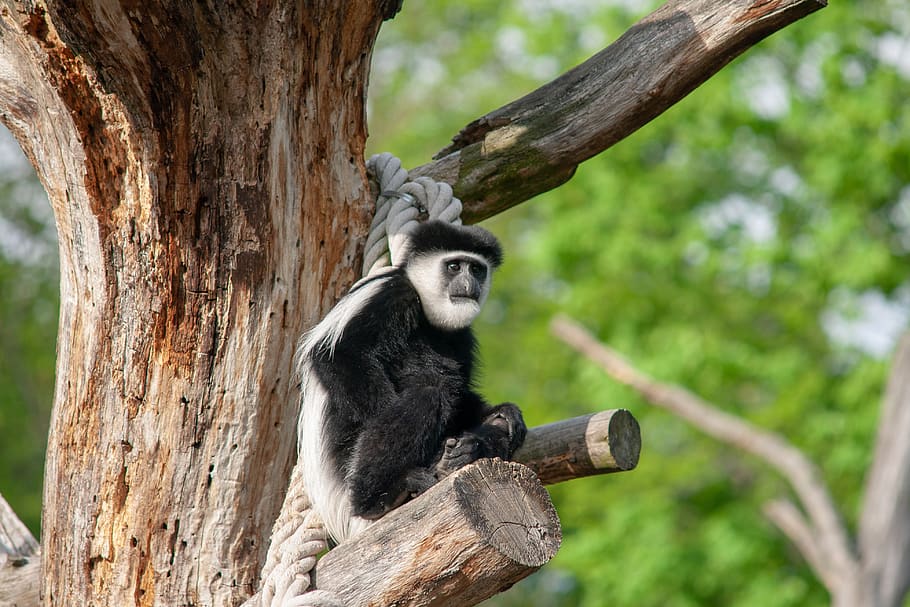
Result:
[[750, 244], [28, 327]]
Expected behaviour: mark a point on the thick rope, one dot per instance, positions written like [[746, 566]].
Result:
[[400, 205], [298, 536]]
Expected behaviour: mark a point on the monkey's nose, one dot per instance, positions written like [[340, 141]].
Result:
[[465, 287]]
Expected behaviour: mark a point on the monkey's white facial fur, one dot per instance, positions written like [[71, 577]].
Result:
[[452, 286]]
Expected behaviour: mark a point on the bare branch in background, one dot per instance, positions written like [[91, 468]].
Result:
[[830, 554], [884, 524], [791, 521]]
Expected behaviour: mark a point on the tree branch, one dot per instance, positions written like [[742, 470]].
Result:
[[600, 443], [884, 529], [474, 534], [793, 524], [535, 143], [20, 561], [804, 477]]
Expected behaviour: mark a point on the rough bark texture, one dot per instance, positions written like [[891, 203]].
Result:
[[20, 580], [473, 535], [535, 143], [205, 167]]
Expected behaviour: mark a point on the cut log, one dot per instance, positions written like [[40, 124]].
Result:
[[473, 535], [600, 443]]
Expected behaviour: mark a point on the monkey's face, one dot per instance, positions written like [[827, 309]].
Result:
[[452, 286]]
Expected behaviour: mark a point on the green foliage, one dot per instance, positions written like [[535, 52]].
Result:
[[28, 326], [737, 245]]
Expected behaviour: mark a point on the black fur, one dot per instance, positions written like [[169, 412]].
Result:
[[402, 411], [435, 236]]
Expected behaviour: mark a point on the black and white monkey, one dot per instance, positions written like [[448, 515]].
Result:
[[388, 406]]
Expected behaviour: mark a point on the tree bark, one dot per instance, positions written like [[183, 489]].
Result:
[[476, 533], [20, 580], [205, 169]]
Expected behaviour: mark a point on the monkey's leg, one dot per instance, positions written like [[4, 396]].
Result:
[[391, 458]]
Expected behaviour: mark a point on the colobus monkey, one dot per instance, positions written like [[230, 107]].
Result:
[[388, 406]]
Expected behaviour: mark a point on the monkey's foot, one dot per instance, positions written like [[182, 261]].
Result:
[[458, 453]]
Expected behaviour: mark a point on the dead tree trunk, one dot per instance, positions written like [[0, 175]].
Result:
[[205, 169], [205, 166]]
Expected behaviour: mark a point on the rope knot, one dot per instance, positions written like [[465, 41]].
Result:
[[400, 206]]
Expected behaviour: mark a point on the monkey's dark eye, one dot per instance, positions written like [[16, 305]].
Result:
[[479, 271], [454, 267]]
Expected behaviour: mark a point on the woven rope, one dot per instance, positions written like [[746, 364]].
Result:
[[298, 536], [399, 207]]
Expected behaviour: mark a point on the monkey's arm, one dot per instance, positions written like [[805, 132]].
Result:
[[396, 448]]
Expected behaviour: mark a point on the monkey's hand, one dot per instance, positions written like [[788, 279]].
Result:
[[506, 429], [500, 434]]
